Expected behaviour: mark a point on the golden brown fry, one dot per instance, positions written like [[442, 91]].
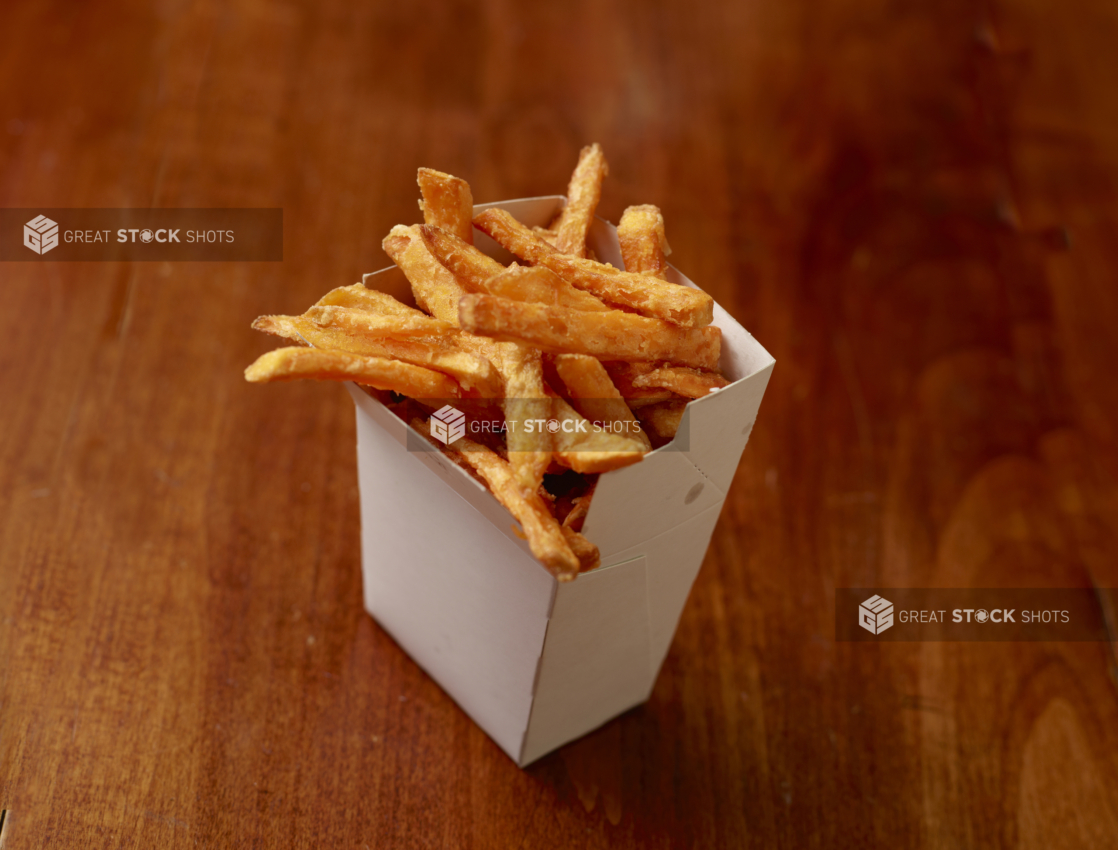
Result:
[[647, 295], [643, 244], [662, 419], [288, 364], [526, 405], [369, 324], [589, 558], [582, 447], [594, 395], [692, 383], [360, 297], [623, 374], [471, 370], [447, 203], [583, 194], [435, 288], [540, 285], [545, 536], [470, 267], [579, 509], [612, 335]]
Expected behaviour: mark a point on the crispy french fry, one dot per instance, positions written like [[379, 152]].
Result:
[[612, 335], [583, 448], [436, 290], [580, 508], [288, 364], [360, 297], [545, 536], [583, 194], [447, 203], [692, 383], [623, 374], [647, 295], [526, 404], [473, 371], [540, 285], [643, 244], [594, 395], [470, 267], [589, 558], [369, 324], [662, 419]]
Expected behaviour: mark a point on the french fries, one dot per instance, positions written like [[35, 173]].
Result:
[[583, 194], [447, 203], [644, 248], [576, 368], [647, 295], [612, 335], [288, 364]]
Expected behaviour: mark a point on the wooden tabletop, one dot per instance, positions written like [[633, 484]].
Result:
[[912, 206]]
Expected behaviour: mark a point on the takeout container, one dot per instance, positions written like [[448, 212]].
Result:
[[534, 661]]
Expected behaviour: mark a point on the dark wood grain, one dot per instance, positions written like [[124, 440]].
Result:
[[913, 206]]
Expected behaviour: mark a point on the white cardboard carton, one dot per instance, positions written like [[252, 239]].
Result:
[[536, 662]]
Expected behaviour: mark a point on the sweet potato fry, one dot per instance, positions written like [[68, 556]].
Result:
[[589, 558], [583, 448], [288, 364], [540, 285], [662, 420], [469, 266], [593, 394], [447, 203], [583, 194], [692, 383], [647, 295], [611, 335], [362, 322], [360, 297], [436, 289], [545, 536], [643, 244], [473, 371]]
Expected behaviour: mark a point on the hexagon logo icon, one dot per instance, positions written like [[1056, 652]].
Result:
[[40, 234], [448, 424], [875, 615]]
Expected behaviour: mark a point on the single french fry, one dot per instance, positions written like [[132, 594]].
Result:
[[662, 419], [580, 507], [583, 194], [526, 406], [612, 335], [471, 370], [540, 285], [582, 447], [360, 297], [545, 536], [589, 558], [644, 247], [692, 383], [594, 395], [623, 374], [470, 267], [289, 364], [447, 203], [647, 295], [369, 324], [435, 288]]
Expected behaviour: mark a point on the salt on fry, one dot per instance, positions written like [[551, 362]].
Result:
[[647, 295], [289, 364], [447, 203], [612, 335], [583, 194], [644, 247]]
